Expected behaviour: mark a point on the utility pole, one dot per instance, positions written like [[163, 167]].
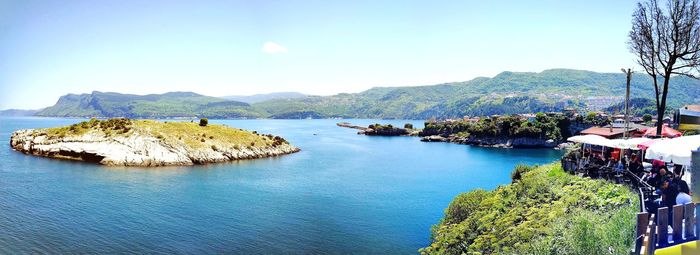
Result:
[[628, 72]]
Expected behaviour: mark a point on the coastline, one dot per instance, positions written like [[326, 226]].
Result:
[[149, 144]]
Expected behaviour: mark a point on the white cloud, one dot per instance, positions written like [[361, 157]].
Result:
[[273, 48]]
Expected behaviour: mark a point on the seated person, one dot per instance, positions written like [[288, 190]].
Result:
[[650, 178], [668, 192], [678, 182], [657, 180], [619, 167], [635, 166]]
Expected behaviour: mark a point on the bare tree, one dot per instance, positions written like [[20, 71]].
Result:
[[666, 40]]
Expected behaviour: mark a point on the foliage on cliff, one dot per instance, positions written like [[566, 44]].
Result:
[[544, 211], [543, 126], [385, 130]]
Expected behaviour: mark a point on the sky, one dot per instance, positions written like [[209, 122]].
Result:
[[219, 48]]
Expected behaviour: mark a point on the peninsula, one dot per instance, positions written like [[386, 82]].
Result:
[[125, 142]]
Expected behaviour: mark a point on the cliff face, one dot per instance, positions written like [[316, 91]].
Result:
[[502, 142], [506, 142], [140, 148], [385, 132]]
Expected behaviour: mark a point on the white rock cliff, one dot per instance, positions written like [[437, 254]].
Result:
[[136, 149]]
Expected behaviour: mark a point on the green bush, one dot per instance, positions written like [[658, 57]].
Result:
[[546, 211], [408, 126], [203, 122], [519, 171]]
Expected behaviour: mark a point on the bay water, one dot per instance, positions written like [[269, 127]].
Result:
[[343, 193]]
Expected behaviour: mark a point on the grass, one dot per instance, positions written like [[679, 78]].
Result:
[[213, 136], [196, 136], [117, 126]]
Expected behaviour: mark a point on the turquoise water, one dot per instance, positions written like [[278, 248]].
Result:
[[343, 193]]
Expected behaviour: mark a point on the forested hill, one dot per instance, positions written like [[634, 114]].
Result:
[[168, 105], [506, 93]]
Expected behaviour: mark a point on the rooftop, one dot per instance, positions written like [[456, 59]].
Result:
[[606, 132], [692, 107]]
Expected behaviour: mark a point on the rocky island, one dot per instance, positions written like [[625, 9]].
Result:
[[125, 142], [382, 130], [510, 131]]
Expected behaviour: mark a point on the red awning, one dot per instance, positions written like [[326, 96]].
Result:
[[666, 131]]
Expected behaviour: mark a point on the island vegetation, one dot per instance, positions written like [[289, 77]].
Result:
[[540, 130], [543, 211], [122, 141]]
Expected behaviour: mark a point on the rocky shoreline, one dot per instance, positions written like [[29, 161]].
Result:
[[380, 130], [139, 148], [496, 142]]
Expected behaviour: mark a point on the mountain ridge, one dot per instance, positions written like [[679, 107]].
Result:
[[256, 98], [506, 93]]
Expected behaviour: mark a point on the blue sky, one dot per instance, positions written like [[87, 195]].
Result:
[[217, 48]]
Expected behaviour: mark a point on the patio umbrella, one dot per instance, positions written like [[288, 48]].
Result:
[[666, 131], [677, 150], [627, 144], [590, 139], [647, 144]]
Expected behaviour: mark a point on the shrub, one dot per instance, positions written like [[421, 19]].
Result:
[[518, 172], [408, 126], [646, 118], [203, 122], [464, 205], [203, 140], [546, 212]]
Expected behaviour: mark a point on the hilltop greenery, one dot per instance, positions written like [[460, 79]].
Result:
[[542, 126], [168, 105], [544, 211], [638, 107], [506, 93]]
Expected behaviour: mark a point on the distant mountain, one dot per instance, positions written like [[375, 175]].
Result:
[[638, 107], [506, 93], [168, 105], [265, 97], [17, 112]]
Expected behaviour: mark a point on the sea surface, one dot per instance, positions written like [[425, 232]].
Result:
[[343, 193]]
